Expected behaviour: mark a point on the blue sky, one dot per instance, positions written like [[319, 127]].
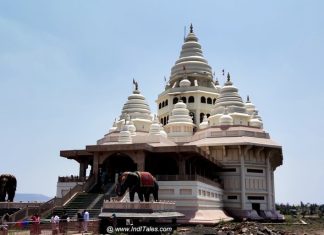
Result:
[[66, 69]]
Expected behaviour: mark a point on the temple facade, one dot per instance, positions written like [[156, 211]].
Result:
[[206, 146]]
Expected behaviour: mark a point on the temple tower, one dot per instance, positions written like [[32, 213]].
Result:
[[191, 80]]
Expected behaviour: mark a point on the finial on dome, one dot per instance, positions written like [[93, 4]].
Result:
[[248, 99], [136, 84], [228, 77], [191, 28]]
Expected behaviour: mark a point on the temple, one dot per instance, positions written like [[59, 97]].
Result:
[[205, 145]]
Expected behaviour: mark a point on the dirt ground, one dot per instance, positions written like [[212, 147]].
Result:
[[309, 226]]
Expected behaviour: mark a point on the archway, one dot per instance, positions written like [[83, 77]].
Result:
[[116, 164]]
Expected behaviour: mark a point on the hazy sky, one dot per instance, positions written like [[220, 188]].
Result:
[[66, 69]]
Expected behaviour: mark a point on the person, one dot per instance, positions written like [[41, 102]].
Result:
[[63, 224], [55, 220], [33, 225], [86, 218], [4, 224], [37, 224], [80, 220]]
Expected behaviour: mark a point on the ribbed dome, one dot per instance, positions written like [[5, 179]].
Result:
[[185, 83], [180, 113], [114, 127], [155, 127], [230, 98], [125, 136], [162, 131], [226, 119], [255, 120], [250, 108], [136, 106], [204, 123], [131, 128], [191, 57]]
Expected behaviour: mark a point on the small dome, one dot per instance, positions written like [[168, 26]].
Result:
[[180, 113], [155, 127], [255, 120], [136, 107], [125, 136], [250, 108], [131, 127], [162, 131], [204, 123], [114, 127], [185, 83], [230, 98], [226, 119]]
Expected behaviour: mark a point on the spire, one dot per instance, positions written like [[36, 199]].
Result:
[[191, 56], [135, 84], [248, 99]]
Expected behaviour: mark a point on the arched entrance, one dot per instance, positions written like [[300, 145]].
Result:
[[116, 164]]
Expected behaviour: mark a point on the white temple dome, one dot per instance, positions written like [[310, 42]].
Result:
[[155, 127], [125, 136], [136, 106], [229, 98], [185, 83], [131, 127], [114, 127], [255, 120], [204, 123], [162, 131], [191, 57], [250, 107], [226, 119], [180, 113]]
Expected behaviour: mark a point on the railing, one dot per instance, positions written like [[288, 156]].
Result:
[[188, 178], [9, 205], [72, 178], [154, 206]]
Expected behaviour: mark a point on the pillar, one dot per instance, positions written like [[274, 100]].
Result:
[[139, 159], [95, 166], [242, 180], [269, 180], [82, 170], [182, 165]]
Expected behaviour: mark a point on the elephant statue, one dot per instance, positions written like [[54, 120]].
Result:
[[8, 184], [140, 182]]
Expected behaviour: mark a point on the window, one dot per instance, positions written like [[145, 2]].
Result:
[[201, 117], [254, 170], [214, 100], [162, 104], [209, 100], [228, 170], [203, 99], [164, 121], [207, 115], [166, 103], [191, 99], [255, 198], [175, 100], [232, 197], [192, 115], [161, 120], [159, 105], [184, 99]]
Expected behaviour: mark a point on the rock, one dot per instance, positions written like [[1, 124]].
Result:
[[244, 230]]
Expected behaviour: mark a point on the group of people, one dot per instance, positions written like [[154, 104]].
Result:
[[35, 224], [59, 225], [4, 224]]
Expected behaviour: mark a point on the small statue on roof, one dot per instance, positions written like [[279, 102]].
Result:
[[136, 84]]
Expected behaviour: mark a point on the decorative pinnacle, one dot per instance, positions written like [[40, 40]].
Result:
[[136, 84], [248, 99], [191, 28], [228, 77]]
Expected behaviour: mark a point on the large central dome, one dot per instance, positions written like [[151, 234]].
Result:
[[191, 60]]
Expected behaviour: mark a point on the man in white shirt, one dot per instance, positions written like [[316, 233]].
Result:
[[86, 218]]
